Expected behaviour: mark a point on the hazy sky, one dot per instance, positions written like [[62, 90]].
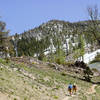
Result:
[[22, 15]]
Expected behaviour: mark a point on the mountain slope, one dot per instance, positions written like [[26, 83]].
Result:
[[55, 36], [35, 81]]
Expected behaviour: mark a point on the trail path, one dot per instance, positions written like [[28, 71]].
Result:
[[3, 96], [91, 90], [68, 97]]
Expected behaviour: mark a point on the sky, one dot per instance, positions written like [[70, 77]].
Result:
[[22, 15]]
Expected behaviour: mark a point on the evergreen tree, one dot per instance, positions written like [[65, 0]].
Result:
[[70, 47], [3, 39], [81, 46], [87, 74]]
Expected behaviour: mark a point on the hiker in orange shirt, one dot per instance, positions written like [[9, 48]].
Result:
[[74, 88]]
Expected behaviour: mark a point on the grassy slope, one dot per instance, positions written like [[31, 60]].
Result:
[[47, 84]]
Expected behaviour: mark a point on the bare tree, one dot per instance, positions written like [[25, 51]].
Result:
[[94, 22]]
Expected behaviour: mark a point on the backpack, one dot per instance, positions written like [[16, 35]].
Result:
[[70, 87]]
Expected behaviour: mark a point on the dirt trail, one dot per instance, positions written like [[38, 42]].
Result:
[[3, 96], [92, 89], [66, 98]]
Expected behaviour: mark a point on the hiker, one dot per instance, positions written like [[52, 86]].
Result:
[[70, 88], [74, 88]]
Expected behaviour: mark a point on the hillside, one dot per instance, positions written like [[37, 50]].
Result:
[[56, 36], [54, 27], [36, 80]]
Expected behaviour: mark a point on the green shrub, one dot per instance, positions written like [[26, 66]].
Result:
[[63, 74], [87, 74], [41, 56], [7, 60], [55, 97], [25, 98], [60, 60], [2, 61]]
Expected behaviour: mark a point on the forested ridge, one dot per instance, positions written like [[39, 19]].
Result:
[[57, 38]]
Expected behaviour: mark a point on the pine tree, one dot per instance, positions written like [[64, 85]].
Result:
[[87, 74], [3, 39], [81, 46]]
